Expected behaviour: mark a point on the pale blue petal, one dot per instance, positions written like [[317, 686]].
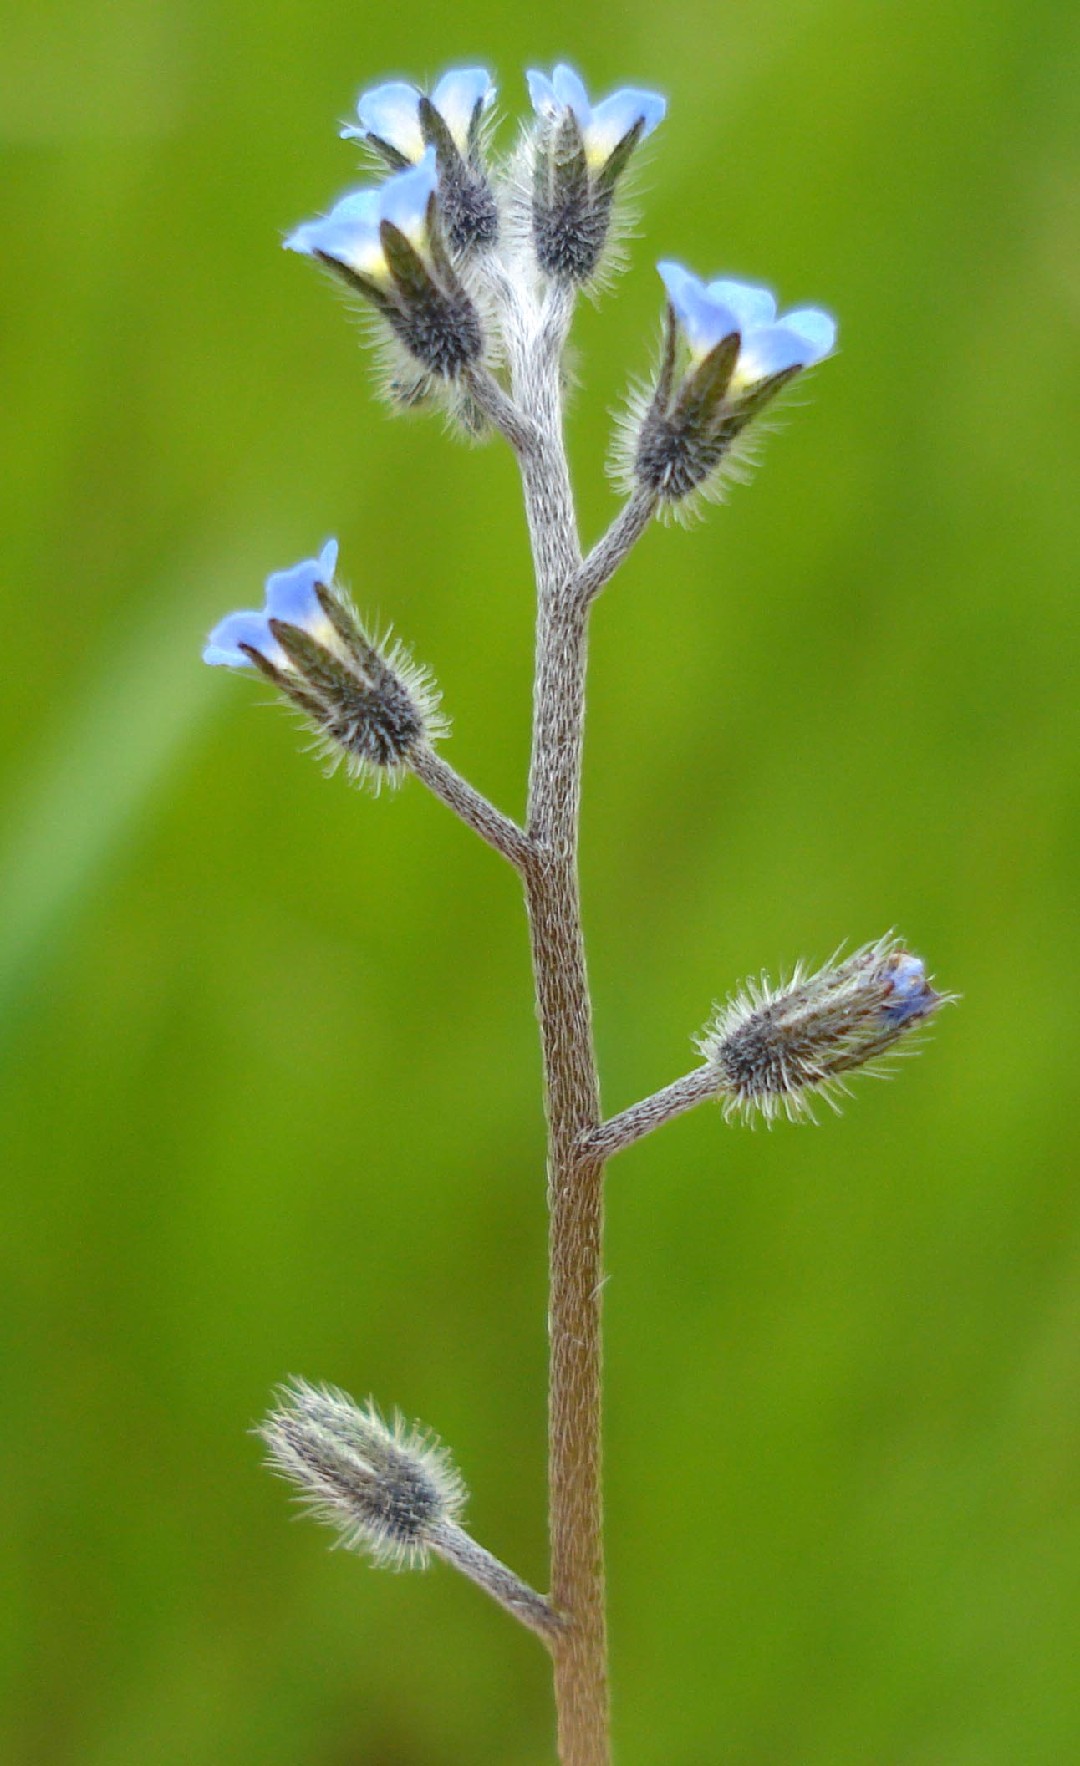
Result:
[[392, 112], [222, 649], [570, 91], [676, 279], [617, 115], [351, 225], [704, 320], [290, 594], [753, 306], [542, 93], [653, 110], [817, 328], [328, 561], [456, 97], [403, 199], [772, 350], [303, 238], [355, 207]]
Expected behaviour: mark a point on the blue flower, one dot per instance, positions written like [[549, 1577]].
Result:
[[692, 434], [391, 116], [387, 245], [290, 597], [401, 124], [603, 126], [350, 235], [579, 154], [710, 311], [369, 705]]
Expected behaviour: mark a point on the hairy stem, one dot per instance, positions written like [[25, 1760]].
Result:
[[500, 410], [572, 1094], [621, 537], [634, 1124], [456, 1547], [474, 810]]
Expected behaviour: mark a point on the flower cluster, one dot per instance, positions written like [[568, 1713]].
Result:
[[421, 247], [774, 1049], [457, 295], [426, 249], [406, 245], [373, 710], [385, 1489]]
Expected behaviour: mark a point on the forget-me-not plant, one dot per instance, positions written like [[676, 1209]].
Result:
[[470, 266]]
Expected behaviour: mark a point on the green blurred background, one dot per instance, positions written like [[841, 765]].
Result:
[[270, 1092]]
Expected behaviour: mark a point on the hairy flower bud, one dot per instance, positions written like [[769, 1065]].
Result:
[[385, 1488], [737, 357], [580, 153], [771, 1049], [371, 709], [387, 245]]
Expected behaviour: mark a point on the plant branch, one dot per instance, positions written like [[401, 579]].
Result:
[[473, 809], [456, 1547], [640, 1119], [615, 546], [499, 408]]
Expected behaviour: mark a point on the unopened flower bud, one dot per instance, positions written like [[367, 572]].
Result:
[[386, 244], [726, 357], [772, 1049], [580, 153], [368, 708], [386, 1489]]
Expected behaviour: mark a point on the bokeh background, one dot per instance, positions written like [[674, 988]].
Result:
[[270, 1089]]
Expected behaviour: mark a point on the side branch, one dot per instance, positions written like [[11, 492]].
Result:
[[454, 1546], [634, 1124], [617, 544], [474, 810], [500, 409]]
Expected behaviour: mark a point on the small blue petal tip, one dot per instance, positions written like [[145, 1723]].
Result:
[[910, 994]]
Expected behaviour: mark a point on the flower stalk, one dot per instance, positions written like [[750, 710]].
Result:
[[571, 1081]]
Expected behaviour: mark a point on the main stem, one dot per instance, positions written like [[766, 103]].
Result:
[[572, 1093]]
